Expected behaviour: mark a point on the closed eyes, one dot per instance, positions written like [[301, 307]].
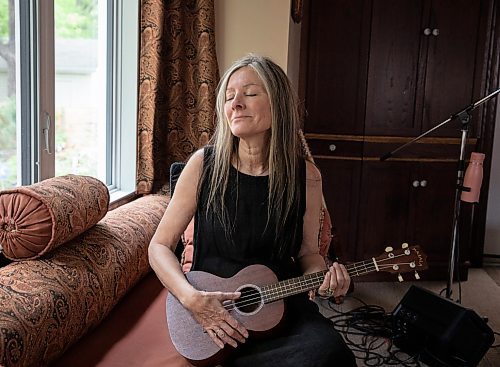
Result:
[[230, 98]]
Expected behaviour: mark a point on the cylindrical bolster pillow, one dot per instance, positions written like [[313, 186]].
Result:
[[37, 218]]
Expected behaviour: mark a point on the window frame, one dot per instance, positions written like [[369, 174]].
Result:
[[35, 93]]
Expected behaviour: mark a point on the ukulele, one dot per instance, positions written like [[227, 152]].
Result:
[[260, 306]]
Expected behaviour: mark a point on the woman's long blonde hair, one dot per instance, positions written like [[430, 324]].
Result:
[[284, 153]]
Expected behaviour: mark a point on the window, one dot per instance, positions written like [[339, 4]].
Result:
[[8, 155], [68, 90]]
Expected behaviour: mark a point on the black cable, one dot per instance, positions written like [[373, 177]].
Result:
[[369, 331], [496, 345], [443, 290]]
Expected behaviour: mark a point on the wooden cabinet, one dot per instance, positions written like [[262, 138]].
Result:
[[376, 73]]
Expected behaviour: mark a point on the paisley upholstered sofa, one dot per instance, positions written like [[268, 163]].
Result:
[[76, 288], [68, 263]]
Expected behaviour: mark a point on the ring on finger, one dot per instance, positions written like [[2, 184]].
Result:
[[220, 333]]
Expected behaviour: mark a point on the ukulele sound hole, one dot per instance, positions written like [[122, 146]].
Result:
[[250, 300]]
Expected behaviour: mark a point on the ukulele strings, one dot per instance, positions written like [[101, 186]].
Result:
[[253, 300], [249, 300], [373, 264]]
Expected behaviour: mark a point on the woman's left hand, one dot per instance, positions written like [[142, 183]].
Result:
[[336, 283]]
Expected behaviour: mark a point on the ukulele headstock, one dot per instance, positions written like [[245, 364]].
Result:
[[404, 260]]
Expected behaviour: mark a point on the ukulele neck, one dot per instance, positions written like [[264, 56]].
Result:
[[307, 282]]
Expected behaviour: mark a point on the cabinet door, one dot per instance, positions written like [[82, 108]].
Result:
[[396, 43], [336, 66], [451, 62], [422, 65], [384, 205], [432, 213], [341, 179], [408, 202]]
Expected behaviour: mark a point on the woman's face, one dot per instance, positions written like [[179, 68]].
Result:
[[247, 107]]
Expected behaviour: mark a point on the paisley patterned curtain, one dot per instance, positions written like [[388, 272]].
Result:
[[178, 75]]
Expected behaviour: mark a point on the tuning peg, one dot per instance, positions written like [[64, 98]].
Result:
[[404, 245], [388, 249], [417, 276], [400, 277]]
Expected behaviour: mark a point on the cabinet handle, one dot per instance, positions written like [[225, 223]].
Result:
[[435, 32], [416, 183], [423, 183], [332, 147], [427, 31]]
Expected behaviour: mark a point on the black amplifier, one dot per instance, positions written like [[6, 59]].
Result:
[[441, 332]]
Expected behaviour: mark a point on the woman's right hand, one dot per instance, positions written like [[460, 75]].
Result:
[[207, 308]]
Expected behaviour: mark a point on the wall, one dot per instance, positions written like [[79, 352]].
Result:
[[492, 235], [244, 26]]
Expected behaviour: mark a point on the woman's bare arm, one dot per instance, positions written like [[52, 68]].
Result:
[[176, 218]]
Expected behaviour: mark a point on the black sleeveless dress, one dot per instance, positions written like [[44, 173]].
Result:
[[306, 338]]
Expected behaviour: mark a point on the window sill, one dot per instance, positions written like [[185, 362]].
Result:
[[118, 198]]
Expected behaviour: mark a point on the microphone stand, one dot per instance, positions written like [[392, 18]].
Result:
[[465, 117]]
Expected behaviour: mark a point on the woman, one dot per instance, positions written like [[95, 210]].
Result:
[[255, 200]]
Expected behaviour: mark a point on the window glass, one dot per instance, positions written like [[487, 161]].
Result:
[[8, 136], [80, 87]]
